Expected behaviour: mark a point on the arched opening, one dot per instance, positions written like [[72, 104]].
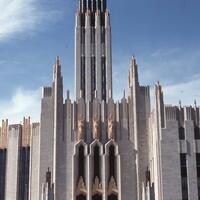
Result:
[[112, 197], [112, 163], [81, 163], [81, 197], [97, 161], [97, 197], [81, 188], [112, 185]]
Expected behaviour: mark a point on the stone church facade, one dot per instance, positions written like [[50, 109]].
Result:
[[96, 148]]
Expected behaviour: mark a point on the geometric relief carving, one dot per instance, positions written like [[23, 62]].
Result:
[[96, 127], [111, 127], [112, 187], [81, 188], [97, 187], [81, 128]]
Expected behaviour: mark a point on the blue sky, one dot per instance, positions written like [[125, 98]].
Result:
[[164, 35]]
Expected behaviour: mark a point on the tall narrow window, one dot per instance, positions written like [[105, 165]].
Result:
[[198, 173], [24, 173], [181, 133], [196, 133], [112, 161], [81, 174], [81, 197], [3, 153], [112, 186], [83, 75], [96, 162], [97, 175], [103, 61], [112, 197], [93, 60], [81, 162], [184, 180], [97, 197]]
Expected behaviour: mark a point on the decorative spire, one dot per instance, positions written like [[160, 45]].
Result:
[[134, 68], [160, 103], [58, 60], [107, 18], [57, 68], [68, 94], [180, 106], [124, 93]]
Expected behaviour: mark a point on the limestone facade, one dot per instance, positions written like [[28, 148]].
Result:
[[95, 147]]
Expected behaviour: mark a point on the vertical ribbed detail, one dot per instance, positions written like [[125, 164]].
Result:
[[98, 55], [170, 113], [93, 59], [88, 44]]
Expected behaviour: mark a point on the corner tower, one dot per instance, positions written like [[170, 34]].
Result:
[[93, 57]]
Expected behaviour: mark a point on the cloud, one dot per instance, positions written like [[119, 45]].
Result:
[[170, 66], [22, 16], [22, 103], [177, 70], [187, 92]]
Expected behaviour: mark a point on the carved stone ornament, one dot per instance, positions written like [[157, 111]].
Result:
[[112, 187], [96, 127], [81, 128], [81, 188], [97, 187], [111, 127]]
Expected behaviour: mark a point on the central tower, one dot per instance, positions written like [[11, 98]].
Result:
[[94, 148], [93, 53]]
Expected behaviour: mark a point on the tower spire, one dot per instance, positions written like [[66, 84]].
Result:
[[93, 57]]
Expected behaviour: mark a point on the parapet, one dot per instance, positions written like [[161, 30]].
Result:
[[171, 113], [4, 134], [47, 92]]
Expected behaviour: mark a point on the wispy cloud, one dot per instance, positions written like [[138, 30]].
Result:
[[170, 66], [22, 103], [22, 16], [187, 92], [177, 69]]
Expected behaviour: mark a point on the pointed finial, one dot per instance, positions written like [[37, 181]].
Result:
[[124, 94], [68, 94], [95, 94], [180, 104], [109, 94], [134, 62], [81, 93], [58, 60], [195, 103]]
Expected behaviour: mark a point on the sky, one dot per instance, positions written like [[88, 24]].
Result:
[[164, 36]]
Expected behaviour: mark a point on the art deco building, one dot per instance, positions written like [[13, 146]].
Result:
[[96, 148]]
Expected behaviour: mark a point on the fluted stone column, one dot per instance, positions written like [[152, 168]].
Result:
[[108, 52], [88, 57], [98, 55]]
